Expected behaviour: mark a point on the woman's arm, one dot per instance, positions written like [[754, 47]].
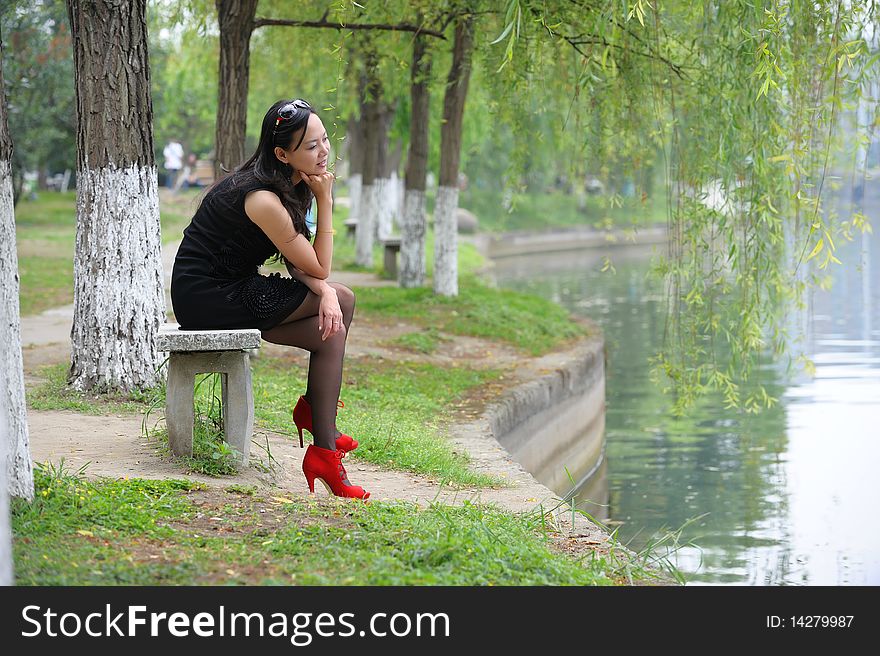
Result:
[[317, 285], [265, 209], [329, 312]]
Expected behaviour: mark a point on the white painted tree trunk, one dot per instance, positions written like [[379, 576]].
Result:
[[384, 208], [6, 572], [396, 201], [446, 242], [354, 196], [18, 469], [412, 240], [119, 302], [366, 222]]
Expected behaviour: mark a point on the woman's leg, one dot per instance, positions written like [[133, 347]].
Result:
[[325, 371], [346, 304], [325, 362]]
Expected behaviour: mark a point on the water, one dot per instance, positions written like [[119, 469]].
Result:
[[785, 497]]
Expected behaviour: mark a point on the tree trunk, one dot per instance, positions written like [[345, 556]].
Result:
[[384, 191], [445, 228], [395, 191], [236, 19], [6, 572], [413, 225], [119, 301], [15, 463], [355, 143], [370, 120]]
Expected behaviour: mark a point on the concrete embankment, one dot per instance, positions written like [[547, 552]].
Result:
[[528, 243], [554, 425], [552, 422]]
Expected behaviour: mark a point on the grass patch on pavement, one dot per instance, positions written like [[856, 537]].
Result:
[[424, 341]]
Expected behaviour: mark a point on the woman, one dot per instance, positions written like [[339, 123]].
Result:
[[257, 211]]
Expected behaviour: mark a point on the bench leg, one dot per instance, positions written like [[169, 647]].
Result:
[[238, 403], [391, 262], [237, 393], [179, 404]]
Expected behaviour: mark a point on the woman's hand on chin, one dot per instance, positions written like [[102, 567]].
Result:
[[321, 184]]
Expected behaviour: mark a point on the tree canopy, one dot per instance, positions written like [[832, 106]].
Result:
[[736, 106]]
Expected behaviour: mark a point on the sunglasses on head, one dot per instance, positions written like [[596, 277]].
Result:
[[289, 111]]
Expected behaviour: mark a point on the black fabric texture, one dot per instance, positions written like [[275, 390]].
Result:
[[216, 282]]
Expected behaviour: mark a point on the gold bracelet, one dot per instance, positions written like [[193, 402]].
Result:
[[329, 232]]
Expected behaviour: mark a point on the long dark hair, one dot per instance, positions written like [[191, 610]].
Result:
[[264, 167]]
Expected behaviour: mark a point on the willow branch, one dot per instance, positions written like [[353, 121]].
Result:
[[402, 27], [574, 42]]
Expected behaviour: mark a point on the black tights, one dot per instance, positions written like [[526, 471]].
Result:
[[325, 362]]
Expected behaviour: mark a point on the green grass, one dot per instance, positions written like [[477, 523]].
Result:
[[46, 282], [398, 404], [426, 340], [527, 322], [46, 235], [138, 532], [393, 408], [469, 258], [54, 394]]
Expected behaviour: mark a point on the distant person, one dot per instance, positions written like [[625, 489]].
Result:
[[173, 154], [189, 177], [256, 212]]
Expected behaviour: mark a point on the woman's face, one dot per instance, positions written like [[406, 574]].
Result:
[[312, 154]]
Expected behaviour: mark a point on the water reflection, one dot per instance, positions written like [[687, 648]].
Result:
[[789, 495]]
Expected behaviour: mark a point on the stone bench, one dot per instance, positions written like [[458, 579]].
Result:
[[192, 352], [392, 248]]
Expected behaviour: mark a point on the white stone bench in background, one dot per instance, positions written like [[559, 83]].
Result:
[[350, 228], [192, 352]]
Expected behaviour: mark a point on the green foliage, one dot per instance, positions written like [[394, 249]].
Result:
[[543, 210], [38, 76], [741, 103], [738, 104], [184, 71]]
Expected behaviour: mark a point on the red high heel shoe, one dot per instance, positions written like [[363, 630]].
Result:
[[326, 466], [302, 417]]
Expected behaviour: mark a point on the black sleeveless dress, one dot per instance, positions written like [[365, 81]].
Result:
[[215, 284]]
